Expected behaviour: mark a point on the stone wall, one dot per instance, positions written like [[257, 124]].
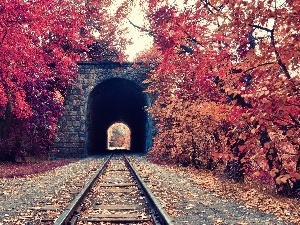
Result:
[[70, 140]]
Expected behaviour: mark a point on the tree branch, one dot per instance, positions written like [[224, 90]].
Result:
[[279, 61], [260, 27], [294, 119], [207, 4], [194, 40], [141, 28], [264, 64]]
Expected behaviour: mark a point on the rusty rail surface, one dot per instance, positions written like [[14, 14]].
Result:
[[70, 211], [136, 188]]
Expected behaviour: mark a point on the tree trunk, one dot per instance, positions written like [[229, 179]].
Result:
[[234, 168], [274, 162], [8, 148]]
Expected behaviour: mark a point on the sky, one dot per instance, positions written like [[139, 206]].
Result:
[[141, 40]]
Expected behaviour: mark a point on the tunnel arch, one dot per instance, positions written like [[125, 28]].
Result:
[[116, 100]]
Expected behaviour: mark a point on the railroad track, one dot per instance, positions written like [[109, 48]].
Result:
[[115, 194]]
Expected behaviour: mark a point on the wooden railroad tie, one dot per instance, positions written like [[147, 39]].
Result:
[[115, 218], [118, 207]]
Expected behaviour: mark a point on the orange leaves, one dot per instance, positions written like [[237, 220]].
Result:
[[232, 94], [99, 3], [282, 179], [295, 175], [243, 136], [262, 91], [235, 92], [274, 172], [214, 111], [124, 9]]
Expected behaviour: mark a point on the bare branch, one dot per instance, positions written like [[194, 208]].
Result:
[[261, 27], [294, 119], [141, 28], [263, 64], [279, 61]]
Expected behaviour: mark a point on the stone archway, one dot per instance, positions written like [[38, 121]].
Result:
[[99, 85], [113, 100]]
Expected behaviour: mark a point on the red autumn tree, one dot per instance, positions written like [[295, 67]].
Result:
[[228, 87], [40, 44]]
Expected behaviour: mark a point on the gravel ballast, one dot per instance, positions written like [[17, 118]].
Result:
[[188, 203], [22, 198], [181, 193]]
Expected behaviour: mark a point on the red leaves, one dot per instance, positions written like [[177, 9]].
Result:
[[3, 99], [233, 94], [40, 44], [21, 109], [8, 170]]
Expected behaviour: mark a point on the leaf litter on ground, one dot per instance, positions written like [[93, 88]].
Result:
[[250, 194]]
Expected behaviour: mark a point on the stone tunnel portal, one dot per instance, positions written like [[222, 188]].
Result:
[[116, 100]]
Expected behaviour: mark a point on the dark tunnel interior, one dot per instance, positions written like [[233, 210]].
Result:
[[116, 100]]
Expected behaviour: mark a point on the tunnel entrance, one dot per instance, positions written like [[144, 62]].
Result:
[[118, 137], [116, 100]]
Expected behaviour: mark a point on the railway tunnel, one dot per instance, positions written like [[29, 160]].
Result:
[[116, 100]]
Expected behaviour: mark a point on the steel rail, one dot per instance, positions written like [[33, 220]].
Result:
[[69, 212], [164, 217]]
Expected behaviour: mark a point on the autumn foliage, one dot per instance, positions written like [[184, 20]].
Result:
[[226, 79], [226, 87], [40, 45]]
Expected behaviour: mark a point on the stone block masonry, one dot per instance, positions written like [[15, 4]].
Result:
[[71, 139]]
